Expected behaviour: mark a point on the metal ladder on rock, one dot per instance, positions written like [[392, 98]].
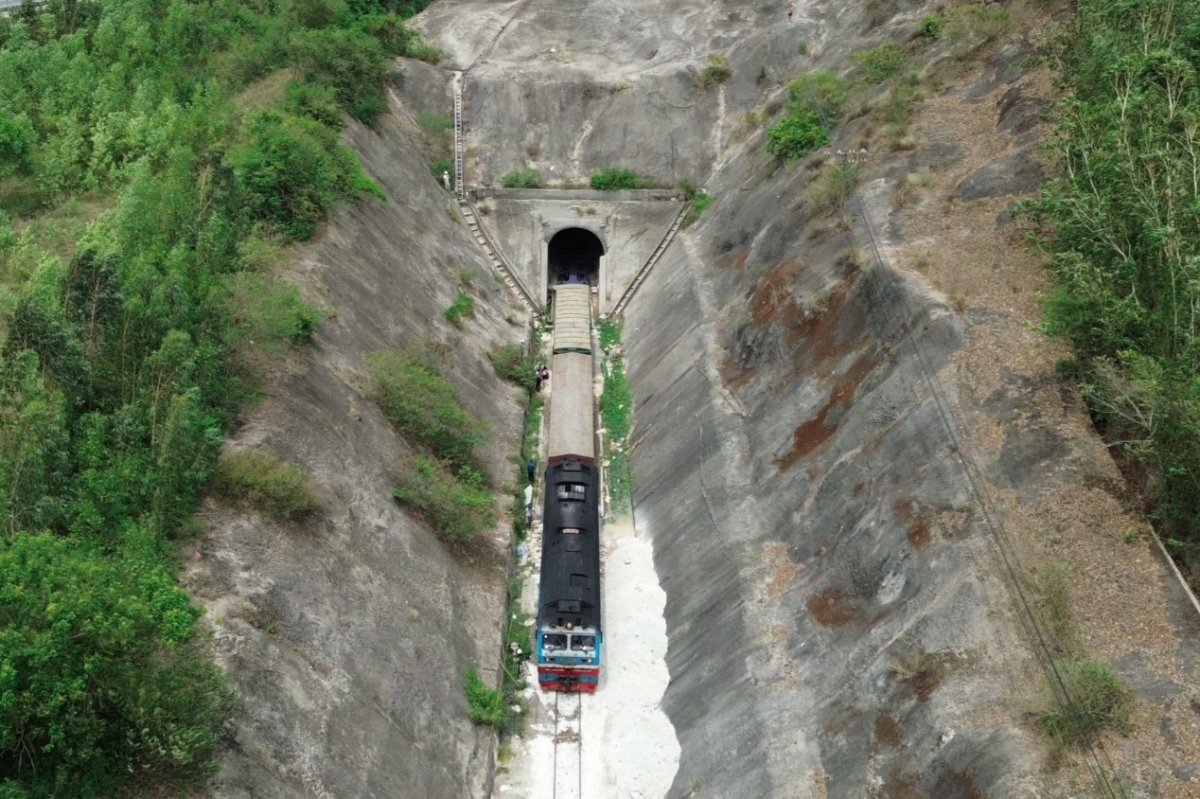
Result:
[[507, 274], [459, 192], [644, 272]]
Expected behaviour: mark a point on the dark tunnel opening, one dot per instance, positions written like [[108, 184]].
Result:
[[574, 257]]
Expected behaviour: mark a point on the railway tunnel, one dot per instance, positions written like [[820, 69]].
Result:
[[574, 257]]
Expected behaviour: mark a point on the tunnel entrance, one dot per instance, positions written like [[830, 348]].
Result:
[[574, 257]]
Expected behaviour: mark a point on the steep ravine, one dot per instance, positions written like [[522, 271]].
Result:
[[839, 620], [347, 632], [827, 448]]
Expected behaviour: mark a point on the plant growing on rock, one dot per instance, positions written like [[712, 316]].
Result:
[[523, 179], [261, 480], [462, 307], [880, 63], [814, 102], [615, 178], [716, 72], [484, 705]]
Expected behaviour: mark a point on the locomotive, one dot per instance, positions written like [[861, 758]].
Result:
[[569, 635]]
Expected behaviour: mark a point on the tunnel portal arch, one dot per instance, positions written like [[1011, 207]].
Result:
[[574, 255]]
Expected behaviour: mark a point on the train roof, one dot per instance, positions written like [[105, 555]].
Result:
[[570, 580]]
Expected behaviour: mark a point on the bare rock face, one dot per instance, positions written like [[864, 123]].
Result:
[[347, 632]]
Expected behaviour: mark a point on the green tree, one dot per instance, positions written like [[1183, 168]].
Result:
[[97, 677]]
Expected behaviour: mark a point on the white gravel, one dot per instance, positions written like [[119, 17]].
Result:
[[629, 746]]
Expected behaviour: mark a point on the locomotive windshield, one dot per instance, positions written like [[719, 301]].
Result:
[[583, 643], [572, 491], [553, 642]]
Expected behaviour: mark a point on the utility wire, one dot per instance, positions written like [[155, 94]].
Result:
[[1099, 763]]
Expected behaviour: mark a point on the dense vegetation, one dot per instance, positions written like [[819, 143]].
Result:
[[814, 102], [528, 178], [1125, 242], [615, 178], [197, 138], [445, 484]]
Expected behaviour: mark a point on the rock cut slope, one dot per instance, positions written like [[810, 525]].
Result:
[[347, 632], [841, 620]]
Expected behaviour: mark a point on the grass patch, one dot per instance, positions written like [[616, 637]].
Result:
[[898, 109], [971, 26], [514, 364], [1052, 598], [462, 307], [523, 179], [458, 504], [424, 51], [832, 186], [615, 178], [716, 72], [484, 705], [699, 205], [270, 314], [1096, 701], [880, 63], [261, 480], [424, 406], [432, 122], [616, 415]]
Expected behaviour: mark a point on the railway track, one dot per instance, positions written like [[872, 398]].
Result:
[[568, 746]]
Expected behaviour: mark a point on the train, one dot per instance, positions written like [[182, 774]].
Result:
[[570, 639]]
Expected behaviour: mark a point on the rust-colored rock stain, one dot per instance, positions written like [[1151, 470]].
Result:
[[816, 431], [833, 607], [887, 731]]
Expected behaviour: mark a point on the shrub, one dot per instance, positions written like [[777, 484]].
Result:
[[1097, 701], [514, 364], [716, 72], [823, 93], [463, 306], [796, 135], [832, 187], [880, 63], [485, 705], [271, 314], [424, 51], [291, 170], [700, 204], [459, 506], [930, 26], [424, 406], [313, 101], [350, 62], [261, 480], [614, 178], [442, 165], [523, 179]]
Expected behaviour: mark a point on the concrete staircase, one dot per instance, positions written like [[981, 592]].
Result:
[[507, 274], [644, 272]]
